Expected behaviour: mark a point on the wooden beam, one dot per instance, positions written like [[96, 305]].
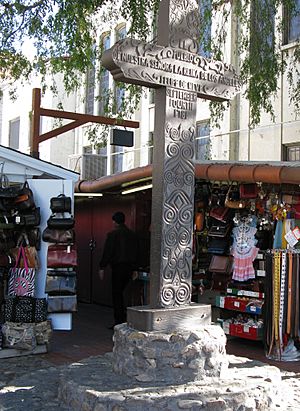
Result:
[[79, 120], [60, 130], [88, 118]]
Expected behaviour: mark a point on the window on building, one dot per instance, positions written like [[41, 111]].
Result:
[[205, 16], [102, 152], [117, 159], [203, 142], [121, 32], [104, 77], [119, 96], [151, 95], [90, 91], [291, 153], [14, 133], [87, 150], [119, 89], [262, 36], [150, 150], [292, 23]]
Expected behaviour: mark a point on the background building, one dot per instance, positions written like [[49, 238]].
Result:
[[233, 140]]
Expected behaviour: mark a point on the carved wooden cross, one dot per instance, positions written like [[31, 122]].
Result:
[[180, 75]]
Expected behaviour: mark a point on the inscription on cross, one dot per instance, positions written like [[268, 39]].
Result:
[[173, 66]]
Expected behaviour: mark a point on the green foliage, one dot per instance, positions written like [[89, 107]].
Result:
[[64, 34]]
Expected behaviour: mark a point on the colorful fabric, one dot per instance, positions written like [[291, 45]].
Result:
[[244, 248]]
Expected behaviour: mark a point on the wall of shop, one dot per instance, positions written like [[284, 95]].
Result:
[[92, 223]]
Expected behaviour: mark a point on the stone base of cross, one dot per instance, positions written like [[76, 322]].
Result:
[[187, 317]]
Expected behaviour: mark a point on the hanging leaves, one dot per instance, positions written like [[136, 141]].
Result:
[[64, 35]]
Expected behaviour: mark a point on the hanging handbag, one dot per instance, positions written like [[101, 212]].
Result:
[[21, 280], [63, 272], [219, 231], [218, 245], [24, 200], [6, 190], [20, 336], [25, 309], [220, 264], [6, 260], [60, 204], [29, 218], [220, 281], [34, 237], [60, 222], [62, 304], [61, 256], [7, 240], [55, 235], [233, 201], [31, 254], [7, 221], [220, 214], [249, 190], [43, 332], [58, 285]]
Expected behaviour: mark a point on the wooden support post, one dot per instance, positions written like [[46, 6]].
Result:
[[35, 122]]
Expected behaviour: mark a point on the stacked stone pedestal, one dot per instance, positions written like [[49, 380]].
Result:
[[174, 371], [174, 357]]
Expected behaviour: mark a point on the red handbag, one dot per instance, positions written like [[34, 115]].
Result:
[[60, 255], [248, 190], [220, 213]]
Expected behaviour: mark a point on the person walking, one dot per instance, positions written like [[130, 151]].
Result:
[[121, 253]]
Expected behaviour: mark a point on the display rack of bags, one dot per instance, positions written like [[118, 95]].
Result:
[[61, 257], [24, 317], [228, 240]]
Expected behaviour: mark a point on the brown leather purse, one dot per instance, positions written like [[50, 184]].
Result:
[[220, 264], [230, 203]]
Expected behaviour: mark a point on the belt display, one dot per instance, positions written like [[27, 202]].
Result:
[[281, 317]]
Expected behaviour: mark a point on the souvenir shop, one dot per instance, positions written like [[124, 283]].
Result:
[[245, 245], [37, 255], [246, 253]]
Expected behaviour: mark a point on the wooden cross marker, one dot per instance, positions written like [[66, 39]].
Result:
[[180, 75]]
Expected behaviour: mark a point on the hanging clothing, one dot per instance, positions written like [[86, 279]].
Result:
[[243, 248]]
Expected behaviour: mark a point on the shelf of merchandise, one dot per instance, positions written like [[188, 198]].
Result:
[[243, 305], [242, 330]]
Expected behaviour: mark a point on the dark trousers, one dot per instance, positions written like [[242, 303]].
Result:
[[121, 274]]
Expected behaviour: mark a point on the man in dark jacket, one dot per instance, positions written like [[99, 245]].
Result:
[[121, 253]]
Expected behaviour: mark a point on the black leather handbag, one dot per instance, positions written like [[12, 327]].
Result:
[[60, 204], [61, 222], [24, 200], [219, 231], [58, 236], [63, 272], [30, 218]]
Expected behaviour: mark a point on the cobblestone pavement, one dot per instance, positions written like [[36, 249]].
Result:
[[31, 383]]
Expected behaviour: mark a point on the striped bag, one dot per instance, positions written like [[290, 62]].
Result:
[[21, 280]]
